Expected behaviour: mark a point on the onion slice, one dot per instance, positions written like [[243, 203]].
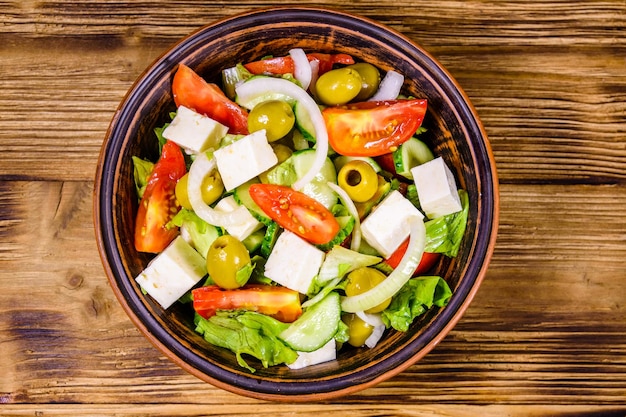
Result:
[[256, 87], [315, 74], [373, 320], [389, 88], [302, 68], [200, 168], [347, 201], [394, 282]]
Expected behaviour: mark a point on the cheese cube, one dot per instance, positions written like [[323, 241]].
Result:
[[244, 159], [193, 131], [387, 226], [172, 273], [246, 227], [436, 188], [326, 353], [294, 262]]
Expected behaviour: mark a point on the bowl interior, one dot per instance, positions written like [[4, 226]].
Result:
[[454, 132]]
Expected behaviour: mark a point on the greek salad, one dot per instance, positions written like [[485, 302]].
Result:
[[296, 208]]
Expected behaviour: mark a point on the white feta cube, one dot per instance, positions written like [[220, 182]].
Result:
[[294, 262], [193, 131], [172, 273], [436, 188], [244, 159], [240, 230], [388, 225], [326, 353]]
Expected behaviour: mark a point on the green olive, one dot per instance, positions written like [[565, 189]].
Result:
[[283, 153], [226, 256], [370, 77], [212, 187], [358, 330], [338, 86], [275, 116], [182, 196], [364, 279], [359, 180]]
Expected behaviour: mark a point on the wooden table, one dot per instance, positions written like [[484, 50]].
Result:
[[546, 334]]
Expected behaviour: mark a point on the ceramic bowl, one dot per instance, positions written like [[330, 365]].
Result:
[[455, 133]]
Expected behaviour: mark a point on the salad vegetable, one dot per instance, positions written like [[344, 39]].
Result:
[[373, 128], [193, 92], [294, 211], [158, 206]]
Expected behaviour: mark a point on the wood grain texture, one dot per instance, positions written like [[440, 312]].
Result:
[[547, 79], [546, 334], [531, 336]]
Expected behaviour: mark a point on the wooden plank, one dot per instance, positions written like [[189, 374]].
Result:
[[530, 337], [467, 23], [566, 129], [302, 410], [552, 104]]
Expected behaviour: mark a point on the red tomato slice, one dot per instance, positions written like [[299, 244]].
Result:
[[192, 91], [427, 262], [279, 302], [296, 212], [284, 64], [327, 61], [158, 204], [279, 65], [373, 128]]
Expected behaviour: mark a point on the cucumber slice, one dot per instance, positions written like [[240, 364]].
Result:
[[316, 326], [254, 241], [346, 225], [269, 240], [317, 188], [299, 141], [232, 76], [252, 101], [410, 154], [341, 160], [242, 197], [298, 164], [303, 122]]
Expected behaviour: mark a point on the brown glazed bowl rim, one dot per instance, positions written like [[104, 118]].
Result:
[[250, 385]]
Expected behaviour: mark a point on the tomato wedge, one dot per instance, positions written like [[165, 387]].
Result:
[[373, 128], [158, 204], [279, 302], [284, 64], [192, 91], [428, 259], [296, 212]]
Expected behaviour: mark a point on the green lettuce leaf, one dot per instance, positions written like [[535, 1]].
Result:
[[414, 299], [141, 173], [202, 234], [247, 333], [444, 234], [343, 333], [243, 274]]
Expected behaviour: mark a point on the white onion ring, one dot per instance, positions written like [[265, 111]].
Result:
[[394, 282], [347, 201], [200, 168], [389, 88], [263, 85], [376, 335], [302, 68], [371, 319], [315, 73]]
